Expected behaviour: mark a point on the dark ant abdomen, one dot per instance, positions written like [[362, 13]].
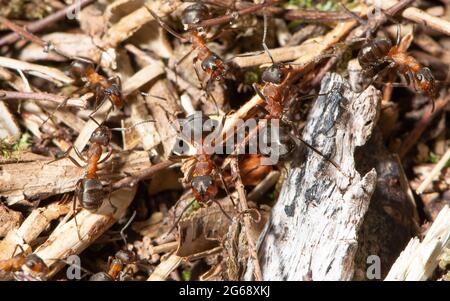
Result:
[[90, 193], [195, 13], [373, 56], [101, 276]]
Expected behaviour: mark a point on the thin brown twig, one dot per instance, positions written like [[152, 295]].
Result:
[[133, 179], [232, 16], [422, 124], [41, 96], [247, 220], [43, 23], [316, 16]]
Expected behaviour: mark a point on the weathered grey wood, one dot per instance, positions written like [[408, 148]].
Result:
[[312, 233]]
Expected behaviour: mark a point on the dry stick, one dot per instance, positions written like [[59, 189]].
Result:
[[232, 16], [420, 127], [434, 172], [247, 221], [41, 96], [31, 37], [316, 16], [419, 16], [47, 21], [133, 179], [48, 73]]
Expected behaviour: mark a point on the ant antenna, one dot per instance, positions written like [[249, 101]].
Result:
[[122, 231], [164, 25], [179, 217], [133, 126], [266, 49]]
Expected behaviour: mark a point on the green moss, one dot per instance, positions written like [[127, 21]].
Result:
[[25, 9], [186, 275], [322, 5], [10, 150]]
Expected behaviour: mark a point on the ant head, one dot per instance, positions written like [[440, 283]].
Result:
[[274, 74], [203, 188], [36, 265], [125, 256], [214, 66], [102, 135], [426, 83], [195, 13], [100, 276]]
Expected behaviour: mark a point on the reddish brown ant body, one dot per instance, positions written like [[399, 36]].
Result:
[[211, 62], [89, 190], [27, 267], [103, 88], [116, 266], [378, 56]]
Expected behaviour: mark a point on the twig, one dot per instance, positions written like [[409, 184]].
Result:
[[47, 21], [316, 16], [133, 179], [434, 172], [232, 16], [48, 73], [418, 16], [41, 96], [422, 124], [247, 220], [164, 269]]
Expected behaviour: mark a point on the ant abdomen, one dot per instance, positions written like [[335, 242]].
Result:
[[373, 56], [90, 193], [195, 13]]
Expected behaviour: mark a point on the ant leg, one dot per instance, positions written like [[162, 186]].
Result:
[[297, 136], [205, 88], [67, 155], [74, 210], [181, 215], [179, 62], [122, 231], [165, 26], [109, 199], [107, 156], [221, 209]]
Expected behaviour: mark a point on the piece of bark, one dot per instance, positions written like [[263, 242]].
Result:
[[9, 219], [312, 233], [419, 259], [65, 241], [38, 180], [392, 218]]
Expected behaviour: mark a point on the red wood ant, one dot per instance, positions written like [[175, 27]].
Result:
[[274, 93], [116, 266], [30, 267], [103, 88], [378, 56], [203, 174]]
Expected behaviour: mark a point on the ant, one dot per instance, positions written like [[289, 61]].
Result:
[[25, 266], [378, 56], [116, 266], [202, 174], [84, 71], [89, 190], [211, 62]]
